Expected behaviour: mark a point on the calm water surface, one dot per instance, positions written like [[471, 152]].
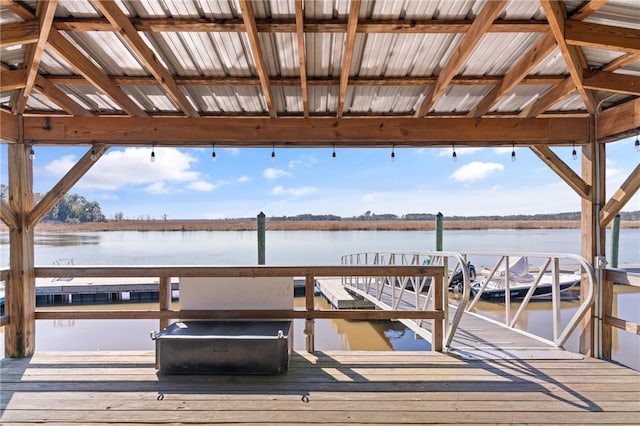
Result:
[[304, 248]]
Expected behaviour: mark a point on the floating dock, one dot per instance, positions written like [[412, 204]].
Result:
[[336, 294]]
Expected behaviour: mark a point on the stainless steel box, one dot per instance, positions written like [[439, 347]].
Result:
[[224, 347]]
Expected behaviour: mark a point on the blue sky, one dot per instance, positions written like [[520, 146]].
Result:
[[187, 184]]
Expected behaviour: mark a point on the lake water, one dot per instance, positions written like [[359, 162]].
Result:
[[302, 248]]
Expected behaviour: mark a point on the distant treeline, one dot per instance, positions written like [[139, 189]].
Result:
[[633, 216]]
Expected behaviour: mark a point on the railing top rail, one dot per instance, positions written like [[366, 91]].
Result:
[[236, 271]]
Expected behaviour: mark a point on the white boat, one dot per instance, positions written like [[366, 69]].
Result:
[[520, 281]]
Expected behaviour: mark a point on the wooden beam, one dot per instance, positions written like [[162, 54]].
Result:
[[65, 184], [556, 14], [610, 82], [18, 9], [602, 36], [469, 41], [8, 127], [123, 26], [516, 74], [347, 54], [45, 12], [621, 62], [621, 197], [587, 9], [84, 66], [619, 120], [20, 299], [302, 60], [48, 89], [249, 20], [7, 215], [562, 169], [310, 132], [549, 99], [534, 80], [17, 33], [287, 25], [12, 80]]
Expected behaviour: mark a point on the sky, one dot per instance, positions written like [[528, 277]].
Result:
[[188, 184]]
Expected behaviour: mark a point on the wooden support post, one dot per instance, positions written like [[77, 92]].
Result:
[[165, 298], [607, 311], [615, 240], [20, 300], [593, 236], [439, 227], [309, 323], [261, 238], [438, 305]]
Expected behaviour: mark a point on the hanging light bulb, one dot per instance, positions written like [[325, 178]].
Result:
[[454, 155], [32, 153], [574, 153], [213, 152], [333, 154], [393, 152], [273, 152], [94, 155], [513, 152], [637, 144], [153, 153]]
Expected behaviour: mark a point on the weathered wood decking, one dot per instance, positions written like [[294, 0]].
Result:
[[96, 388]]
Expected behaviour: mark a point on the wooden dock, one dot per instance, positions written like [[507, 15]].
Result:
[[336, 294], [99, 388]]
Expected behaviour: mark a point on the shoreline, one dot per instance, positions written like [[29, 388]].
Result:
[[319, 225]]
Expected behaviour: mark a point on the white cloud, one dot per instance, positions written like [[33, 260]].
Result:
[[243, 179], [293, 192], [132, 166], [234, 152], [272, 173], [202, 186], [462, 150], [157, 188], [476, 171], [303, 161], [370, 197]]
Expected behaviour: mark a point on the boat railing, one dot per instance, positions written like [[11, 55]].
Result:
[[560, 334], [398, 287], [309, 312]]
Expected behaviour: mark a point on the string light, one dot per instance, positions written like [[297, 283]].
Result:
[[94, 155], [333, 154], [153, 153], [637, 144], [513, 152], [454, 155], [213, 152], [393, 152], [32, 153], [574, 153], [273, 152]]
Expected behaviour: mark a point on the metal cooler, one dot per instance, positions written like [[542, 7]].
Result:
[[224, 347]]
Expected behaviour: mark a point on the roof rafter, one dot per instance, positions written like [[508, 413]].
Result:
[[48, 89], [516, 74], [124, 27], [12, 79], [16, 33], [249, 19], [310, 25], [621, 62], [602, 36], [84, 66], [302, 60], [45, 12], [587, 9], [470, 39], [549, 99], [556, 14], [610, 82], [347, 54]]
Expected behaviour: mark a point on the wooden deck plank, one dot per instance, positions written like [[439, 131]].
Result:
[[75, 388]]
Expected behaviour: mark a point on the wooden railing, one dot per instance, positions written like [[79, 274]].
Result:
[[309, 313], [614, 277]]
